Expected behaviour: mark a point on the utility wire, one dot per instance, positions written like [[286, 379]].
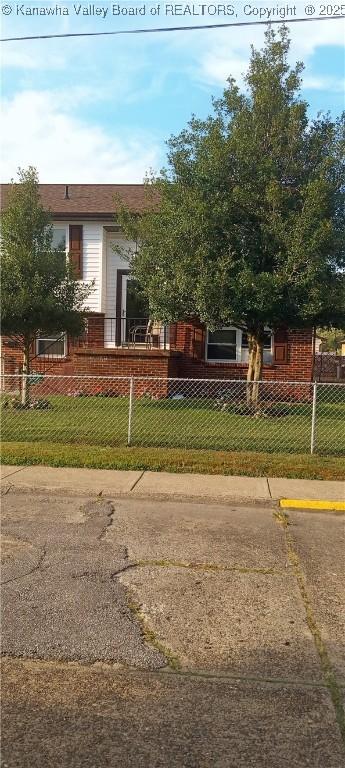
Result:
[[171, 29]]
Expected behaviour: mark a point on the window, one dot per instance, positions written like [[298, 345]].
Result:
[[231, 345], [222, 344], [59, 238], [268, 344], [53, 345]]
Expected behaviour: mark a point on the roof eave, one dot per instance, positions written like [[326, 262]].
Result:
[[71, 215]]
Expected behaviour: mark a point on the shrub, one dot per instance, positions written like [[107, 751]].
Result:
[[14, 403]]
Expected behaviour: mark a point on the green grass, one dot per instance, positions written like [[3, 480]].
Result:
[[192, 423], [175, 460]]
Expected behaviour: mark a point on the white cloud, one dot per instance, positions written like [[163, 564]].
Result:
[[26, 55], [12, 58], [219, 54], [306, 38], [217, 68], [224, 53], [319, 83], [40, 129]]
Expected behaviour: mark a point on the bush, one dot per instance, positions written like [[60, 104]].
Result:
[[107, 393], [14, 403], [264, 410]]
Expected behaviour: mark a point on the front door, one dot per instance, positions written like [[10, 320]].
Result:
[[134, 312]]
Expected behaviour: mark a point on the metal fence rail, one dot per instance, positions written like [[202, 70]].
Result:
[[273, 417]]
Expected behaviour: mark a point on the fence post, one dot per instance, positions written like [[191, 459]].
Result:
[[313, 419], [131, 397]]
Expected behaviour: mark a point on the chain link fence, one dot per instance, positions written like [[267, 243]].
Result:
[[270, 416]]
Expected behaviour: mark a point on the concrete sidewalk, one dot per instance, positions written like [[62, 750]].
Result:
[[172, 634], [317, 494]]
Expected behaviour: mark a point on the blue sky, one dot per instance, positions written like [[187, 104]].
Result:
[[100, 109]]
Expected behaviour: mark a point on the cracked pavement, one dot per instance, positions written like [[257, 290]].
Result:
[[65, 601], [170, 634]]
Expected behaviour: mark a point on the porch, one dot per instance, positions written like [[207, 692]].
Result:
[[125, 346], [127, 332]]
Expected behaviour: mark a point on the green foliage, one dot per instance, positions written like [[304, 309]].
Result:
[[332, 339], [39, 291], [246, 225]]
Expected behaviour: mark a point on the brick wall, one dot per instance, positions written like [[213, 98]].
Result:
[[190, 341], [142, 365], [185, 360], [95, 330], [126, 362]]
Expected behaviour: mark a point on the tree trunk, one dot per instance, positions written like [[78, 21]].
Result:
[[26, 371], [251, 367], [257, 373], [255, 363]]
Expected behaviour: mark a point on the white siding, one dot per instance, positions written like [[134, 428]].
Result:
[[92, 262], [100, 264], [92, 258], [104, 270]]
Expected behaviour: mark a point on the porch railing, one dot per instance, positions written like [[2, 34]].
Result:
[[135, 331], [127, 332]]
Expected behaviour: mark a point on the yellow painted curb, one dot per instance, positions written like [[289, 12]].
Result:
[[339, 506]]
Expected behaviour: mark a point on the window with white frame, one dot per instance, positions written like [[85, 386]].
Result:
[[53, 345], [268, 347], [231, 345], [59, 239], [222, 344]]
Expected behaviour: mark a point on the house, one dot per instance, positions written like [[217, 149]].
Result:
[[120, 339]]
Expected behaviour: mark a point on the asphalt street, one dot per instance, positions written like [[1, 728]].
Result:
[[160, 634]]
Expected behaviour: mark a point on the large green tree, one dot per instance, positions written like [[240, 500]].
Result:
[[40, 294], [246, 224]]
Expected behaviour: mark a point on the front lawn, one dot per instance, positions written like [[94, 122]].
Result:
[[176, 460], [188, 423]]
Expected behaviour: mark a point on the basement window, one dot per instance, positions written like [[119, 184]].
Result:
[[53, 345]]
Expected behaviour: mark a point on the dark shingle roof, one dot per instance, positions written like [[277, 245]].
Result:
[[89, 200]]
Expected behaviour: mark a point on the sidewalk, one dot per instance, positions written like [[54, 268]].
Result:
[[310, 494], [137, 632]]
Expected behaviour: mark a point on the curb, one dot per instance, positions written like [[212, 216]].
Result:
[[238, 501], [313, 504]]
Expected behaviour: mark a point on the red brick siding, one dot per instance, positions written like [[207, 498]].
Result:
[[298, 368], [185, 360], [95, 330], [123, 362]]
